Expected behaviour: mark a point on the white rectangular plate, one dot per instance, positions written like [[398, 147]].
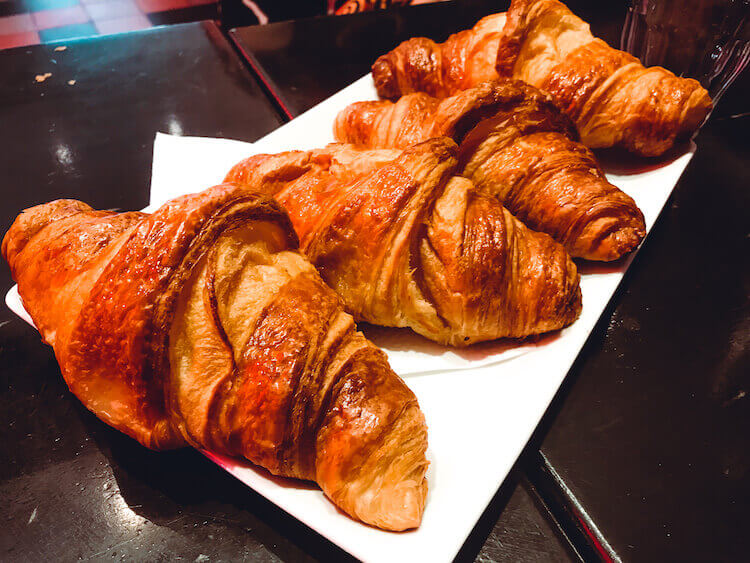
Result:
[[481, 404]]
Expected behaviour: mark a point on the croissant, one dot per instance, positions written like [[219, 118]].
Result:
[[201, 324], [405, 243], [517, 146], [611, 96], [466, 59]]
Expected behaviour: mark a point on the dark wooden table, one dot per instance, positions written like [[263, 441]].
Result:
[[72, 487], [644, 453]]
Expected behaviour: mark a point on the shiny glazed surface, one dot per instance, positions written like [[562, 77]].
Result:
[[613, 99], [517, 146], [409, 243]]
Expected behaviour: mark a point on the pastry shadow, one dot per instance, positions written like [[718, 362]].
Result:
[[623, 163], [482, 350], [232, 463], [187, 493], [401, 339], [587, 267], [404, 340]]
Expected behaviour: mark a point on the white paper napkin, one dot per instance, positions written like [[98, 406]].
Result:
[[185, 165]]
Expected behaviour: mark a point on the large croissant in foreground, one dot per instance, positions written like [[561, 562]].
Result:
[[407, 244], [202, 324], [517, 146], [466, 59], [611, 96]]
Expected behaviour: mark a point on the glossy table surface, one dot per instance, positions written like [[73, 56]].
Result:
[[72, 487], [643, 455], [651, 437]]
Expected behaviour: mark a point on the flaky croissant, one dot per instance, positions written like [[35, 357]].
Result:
[[406, 243], [517, 146], [611, 96], [202, 324], [465, 59]]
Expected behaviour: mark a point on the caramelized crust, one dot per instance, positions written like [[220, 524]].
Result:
[[406, 243], [613, 99], [466, 59], [202, 324], [517, 146]]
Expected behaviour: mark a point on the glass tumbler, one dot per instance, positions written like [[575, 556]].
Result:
[[708, 40]]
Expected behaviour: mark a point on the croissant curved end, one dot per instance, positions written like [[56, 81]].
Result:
[[32, 220], [349, 423], [395, 506], [390, 489], [384, 76], [616, 244]]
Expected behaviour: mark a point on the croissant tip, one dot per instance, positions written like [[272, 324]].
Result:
[[385, 79], [617, 244], [401, 506]]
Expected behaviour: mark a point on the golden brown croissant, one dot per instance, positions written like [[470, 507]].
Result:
[[611, 96], [407, 244], [202, 324], [517, 146], [466, 59]]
